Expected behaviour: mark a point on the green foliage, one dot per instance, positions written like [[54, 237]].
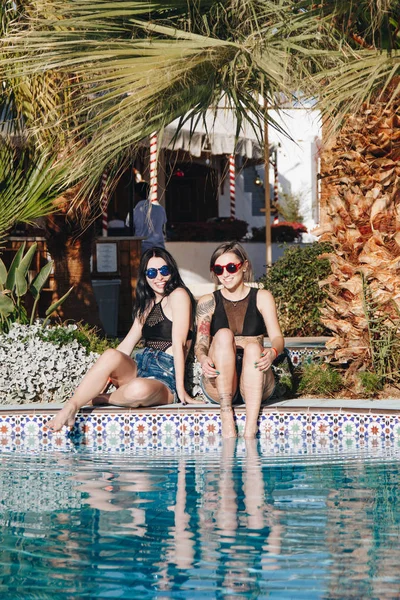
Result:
[[147, 64], [384, 341], [293, 281], [86, 336], [290, 207], [371, 383], [14, 287], [26, 192], [319, 379]]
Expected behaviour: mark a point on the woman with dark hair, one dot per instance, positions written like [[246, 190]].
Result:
[[163, 316], [231, 324]]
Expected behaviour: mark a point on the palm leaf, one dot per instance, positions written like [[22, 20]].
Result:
[[26, 193], [40, 279], [10, 282], [3, 274], [134, 71], [27, 259], [56, 305], [21, 285], [6, 305]]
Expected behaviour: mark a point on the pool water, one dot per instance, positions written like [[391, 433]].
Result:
[[232, 522]]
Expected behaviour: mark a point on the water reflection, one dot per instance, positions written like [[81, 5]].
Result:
[[229, 523]]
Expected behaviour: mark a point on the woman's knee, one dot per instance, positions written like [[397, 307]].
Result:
[[252, 352], [223, 338], [113, 358]]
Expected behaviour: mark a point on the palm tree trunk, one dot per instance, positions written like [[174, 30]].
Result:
[[361, 218], [71, 251]]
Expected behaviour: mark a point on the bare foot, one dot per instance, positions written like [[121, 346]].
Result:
[[66, 416], [228, 422]]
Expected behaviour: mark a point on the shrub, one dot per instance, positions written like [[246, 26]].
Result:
[[371, 383], [217, 230], [14, 286], [44, 364], [86, 336], [319, 379], [293, 281]]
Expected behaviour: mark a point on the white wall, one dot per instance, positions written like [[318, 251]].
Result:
[[297, 166], [193, 259]]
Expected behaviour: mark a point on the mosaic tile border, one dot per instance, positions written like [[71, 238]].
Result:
[[324, 447], [118, 426]]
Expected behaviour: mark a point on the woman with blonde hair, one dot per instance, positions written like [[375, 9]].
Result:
[[231, 324]]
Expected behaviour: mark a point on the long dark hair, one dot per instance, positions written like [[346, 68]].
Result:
[[144, 294]]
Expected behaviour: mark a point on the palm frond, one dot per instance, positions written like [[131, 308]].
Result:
[[129, 72], [28, 186]]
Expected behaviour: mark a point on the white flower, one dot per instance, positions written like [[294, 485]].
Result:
[[35, 370]]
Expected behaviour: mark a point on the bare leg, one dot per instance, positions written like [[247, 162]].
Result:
[[253, 486], [223, 354], [254, 386], [227, 515], [137, 392], [112, 363]]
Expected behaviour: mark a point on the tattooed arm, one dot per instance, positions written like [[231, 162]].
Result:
[[204, 313]]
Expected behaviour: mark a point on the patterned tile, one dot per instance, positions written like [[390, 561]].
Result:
[[120, 428], [268, 426], [187, 423], [208, 424]]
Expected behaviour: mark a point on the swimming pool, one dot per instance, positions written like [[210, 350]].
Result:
[[217, 520]]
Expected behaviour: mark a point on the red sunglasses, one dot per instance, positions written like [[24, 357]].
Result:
[[230, 267]]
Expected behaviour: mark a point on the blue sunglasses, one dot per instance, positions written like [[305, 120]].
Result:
[[164, 271]]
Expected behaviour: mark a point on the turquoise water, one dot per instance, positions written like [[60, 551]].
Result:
[[234, 521]]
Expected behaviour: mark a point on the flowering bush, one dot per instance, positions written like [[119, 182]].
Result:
[[34, 369], [281, 232]]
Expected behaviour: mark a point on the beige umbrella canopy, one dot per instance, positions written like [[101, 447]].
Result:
[[216, 133]]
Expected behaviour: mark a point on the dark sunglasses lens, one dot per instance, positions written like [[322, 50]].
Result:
[[232, 268], [165, 270], [218, 270], [151, 273]]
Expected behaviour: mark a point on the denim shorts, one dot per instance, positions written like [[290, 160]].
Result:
[[155, 364]]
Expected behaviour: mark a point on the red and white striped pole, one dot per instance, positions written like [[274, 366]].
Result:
[[232, 185], [153, 168], [276, 192], [104, 203]]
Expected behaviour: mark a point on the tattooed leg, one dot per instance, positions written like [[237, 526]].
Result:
[[227, 420]]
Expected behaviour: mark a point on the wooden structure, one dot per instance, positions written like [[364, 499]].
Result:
[[118, 258], [113, 258]]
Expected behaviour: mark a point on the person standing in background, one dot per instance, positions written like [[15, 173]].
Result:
[[149, 224]]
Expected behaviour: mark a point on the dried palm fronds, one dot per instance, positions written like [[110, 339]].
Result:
[[361, 219]]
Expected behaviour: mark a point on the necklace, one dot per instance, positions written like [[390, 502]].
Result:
[[235, 302]]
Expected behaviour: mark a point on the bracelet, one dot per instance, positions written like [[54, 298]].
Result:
[[276, 352]]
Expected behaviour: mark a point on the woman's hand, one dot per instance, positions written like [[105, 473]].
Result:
[[208, 368], [186, 398], [266, 359]]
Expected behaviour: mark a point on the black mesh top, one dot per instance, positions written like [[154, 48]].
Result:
[[242, 317], [157, 330]]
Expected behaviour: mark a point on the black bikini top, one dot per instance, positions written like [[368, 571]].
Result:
[[157, 329], [241, 317]]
